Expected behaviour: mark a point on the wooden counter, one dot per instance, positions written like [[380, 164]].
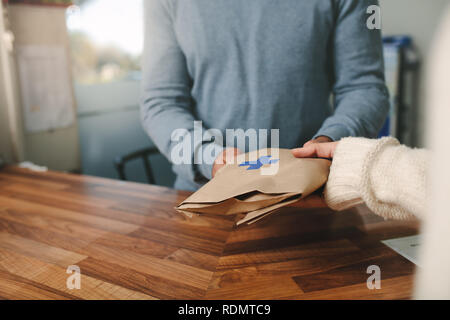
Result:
[[130, 243]]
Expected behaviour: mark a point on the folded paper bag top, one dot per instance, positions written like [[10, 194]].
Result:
[[257, 180]]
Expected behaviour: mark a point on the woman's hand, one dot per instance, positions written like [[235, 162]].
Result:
[[316, 150]]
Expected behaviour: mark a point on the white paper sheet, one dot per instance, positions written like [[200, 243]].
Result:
[[45, 87], [408, 247]]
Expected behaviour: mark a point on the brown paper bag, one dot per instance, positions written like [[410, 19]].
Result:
[[258, 183]]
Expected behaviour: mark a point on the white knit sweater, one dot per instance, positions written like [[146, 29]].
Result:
[[390, 178]]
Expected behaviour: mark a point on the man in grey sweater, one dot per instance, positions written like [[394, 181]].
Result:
[[260, 64]]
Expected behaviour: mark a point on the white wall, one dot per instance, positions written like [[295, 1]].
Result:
[[44, 25], [5, 137], [11, 137], [420, 19]]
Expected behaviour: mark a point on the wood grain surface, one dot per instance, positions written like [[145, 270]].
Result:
[[130, 243]]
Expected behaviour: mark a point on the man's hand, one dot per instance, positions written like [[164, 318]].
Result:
[[316, 150], [226, 156], [319, 139]]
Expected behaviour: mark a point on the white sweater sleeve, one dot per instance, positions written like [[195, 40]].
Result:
[[390, 178]]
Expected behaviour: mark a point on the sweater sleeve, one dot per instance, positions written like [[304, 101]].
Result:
[[390, 178], [166, 101], [361, 99]]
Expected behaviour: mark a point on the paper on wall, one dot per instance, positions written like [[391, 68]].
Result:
[[45, 86]]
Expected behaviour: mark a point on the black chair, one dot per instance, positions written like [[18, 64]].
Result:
[[2, 162], [120, 162]]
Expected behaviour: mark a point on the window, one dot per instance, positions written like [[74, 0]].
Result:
[[106, 40]]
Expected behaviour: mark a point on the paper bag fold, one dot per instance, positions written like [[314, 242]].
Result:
[[258, 183]]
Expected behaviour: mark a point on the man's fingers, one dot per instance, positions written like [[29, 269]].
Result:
[[320, 150], [324, 150], [305, 152], [320, 139], [216, 168], [226, 156], [231, 154]]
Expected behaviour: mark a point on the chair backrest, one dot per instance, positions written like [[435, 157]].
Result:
[[121, 161]]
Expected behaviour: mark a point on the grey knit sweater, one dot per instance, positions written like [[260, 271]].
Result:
[[260, 64]]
